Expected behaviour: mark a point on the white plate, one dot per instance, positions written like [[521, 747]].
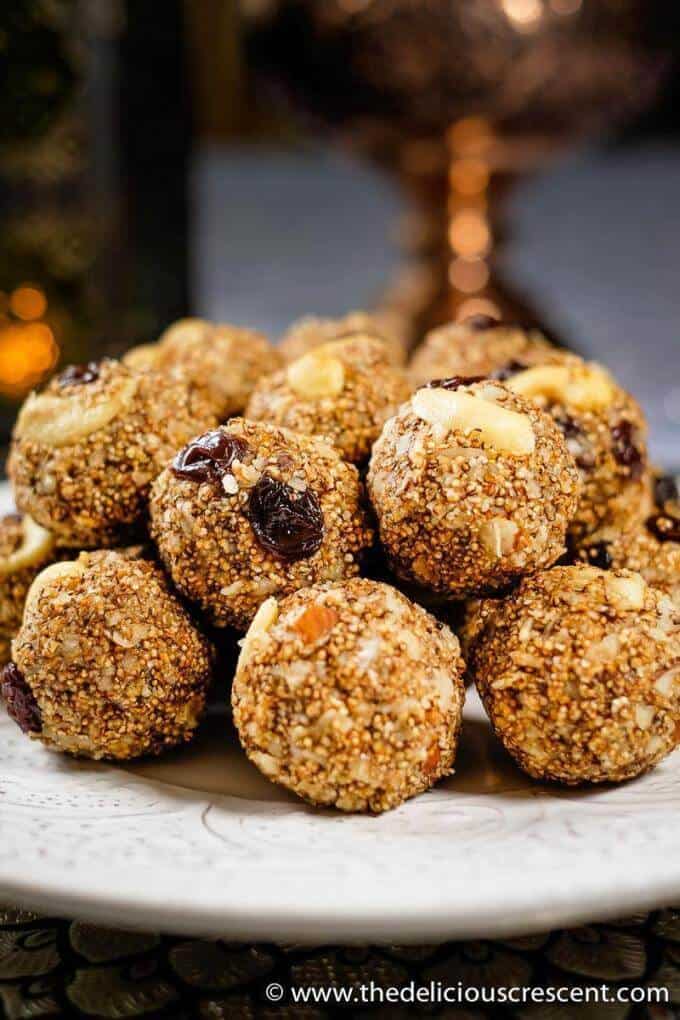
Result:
[[199, 842]]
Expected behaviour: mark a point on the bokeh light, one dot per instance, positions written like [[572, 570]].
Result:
[[28, 302], [28, 351]]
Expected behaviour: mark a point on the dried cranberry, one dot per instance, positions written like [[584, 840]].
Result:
[[79, 375], [625, 450], [507, 371], [287, 523], [666, 491], [209, 458], [18, 696], [479, 323], [598, 555], [454, 383], [664, 527]]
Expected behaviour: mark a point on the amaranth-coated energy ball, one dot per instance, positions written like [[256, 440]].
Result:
[[478, 346], [604, 429], [86, 449], [25, 548], [579, 672], [651, 548], [349, 695], [107, 663], [219, 361], [251, 510], [309, 332], [343, 391], [473, 487]]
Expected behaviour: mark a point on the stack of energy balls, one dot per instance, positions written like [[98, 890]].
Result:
[[314, 498]]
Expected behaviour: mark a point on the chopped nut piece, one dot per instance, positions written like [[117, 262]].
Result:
[[264, 618], [315, 622], [625, 592], [498, 426], [55, 572], [59, 421], [584, 387], [316, 375], [498, 536], [36, 546]]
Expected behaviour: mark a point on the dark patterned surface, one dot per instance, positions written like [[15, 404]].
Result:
[[52, 967]]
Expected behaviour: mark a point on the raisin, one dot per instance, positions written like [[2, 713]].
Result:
[[209, 458], [478, 323], [666, 491], [570, 430], [287, 523], [625, 451], [454, 383], [665, 528], [568, 427], [19, 698], [80, 375], [508, 370], [598, 555]]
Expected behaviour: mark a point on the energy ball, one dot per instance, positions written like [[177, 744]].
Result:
[[605, 430], [86, 449], [107, 663], [651, 548], [25, 548], [579, 672], [473, 487], [251, 510], [344, 391], [478, 346], [349, 695], [310, 332], [220, 362]]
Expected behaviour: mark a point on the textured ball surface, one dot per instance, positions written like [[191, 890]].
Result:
[[344, 391], [579, 672], [108, 660], [86, 449], [349, 695], [473, 488], [249, 511]]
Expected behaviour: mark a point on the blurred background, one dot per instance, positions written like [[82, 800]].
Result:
[[254, 161]]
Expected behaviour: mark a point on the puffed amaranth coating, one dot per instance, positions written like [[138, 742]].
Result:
[[349, 695], [311, 331], [112, 661], [651, 548], [605, 431], [221, 363], [86, 449], [25, 548], [252, 510], [579, 672], [478, 346], [344, 390], [473, 488]]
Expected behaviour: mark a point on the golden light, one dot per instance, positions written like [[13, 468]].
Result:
[[469, 233], [468, 276], [478, 306], [27, 302], [469, 176], [470, 136], [27, 352], [524, 13]]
